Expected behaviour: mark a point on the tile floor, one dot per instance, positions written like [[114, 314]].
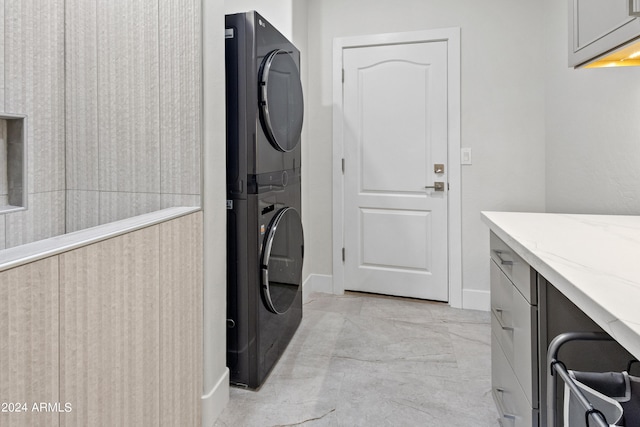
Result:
[[365, 360]]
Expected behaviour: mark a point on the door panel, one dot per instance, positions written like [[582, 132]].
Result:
[[395, 115], [385, 233], [384, 129]]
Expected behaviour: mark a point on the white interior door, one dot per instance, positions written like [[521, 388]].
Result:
[[395, 132]]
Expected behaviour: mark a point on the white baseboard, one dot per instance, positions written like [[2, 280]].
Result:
[[215, 401], [476, 300], [472, 299], [316, 283]]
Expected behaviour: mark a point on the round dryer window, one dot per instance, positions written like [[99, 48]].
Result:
[[282, 256], [281, 102]]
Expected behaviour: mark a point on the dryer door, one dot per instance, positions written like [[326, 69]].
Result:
[[281, 102], [282, 255]]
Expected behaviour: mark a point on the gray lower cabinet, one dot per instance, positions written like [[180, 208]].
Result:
[[557, 315], [527, 313], [514, 327]]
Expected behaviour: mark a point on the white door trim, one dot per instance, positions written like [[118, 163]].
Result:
[[452, 37]]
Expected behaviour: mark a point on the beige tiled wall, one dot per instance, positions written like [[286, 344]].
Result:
[[2, 232], [119, 204], [128, 96], [141, 61], [34, 85], [4, 172], [180, 94], [4, 184], [81, 79], [29, 341], [181, 320], [113, 328], [82, 209], [112, 92], [2, 51], [44, 218], [32, 70], [171, 200], [110, 331]]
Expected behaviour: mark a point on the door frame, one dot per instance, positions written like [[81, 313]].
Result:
[[454, 208]]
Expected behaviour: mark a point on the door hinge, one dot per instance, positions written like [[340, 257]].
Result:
[[343, 258], [343, 165]]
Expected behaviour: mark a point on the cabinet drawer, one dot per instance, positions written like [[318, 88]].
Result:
[[513, 408], [516, 269], [514, 324]]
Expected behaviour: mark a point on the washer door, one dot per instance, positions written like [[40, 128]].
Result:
[[281, 102], [282, 256]]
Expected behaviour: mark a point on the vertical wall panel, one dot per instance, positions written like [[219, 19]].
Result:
[[4, 170], [18, 58], [3, 244], [110, 331], [4, 182], [43, 219], [112, 94], [180, 93], [29, 340], [48, 112], [172, 200], [34, 79], [82, 160], [181, 321], [34, 85], [2, 42], [120, 205], [128, 110], [83, 210]]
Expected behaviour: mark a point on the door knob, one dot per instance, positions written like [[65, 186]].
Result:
[[437, 186]]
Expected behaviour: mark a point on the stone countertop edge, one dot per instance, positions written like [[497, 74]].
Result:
[[31, 252], [588, 258]]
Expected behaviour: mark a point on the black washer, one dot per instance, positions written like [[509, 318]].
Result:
[[281, 100], [282, 256], [264, 105]]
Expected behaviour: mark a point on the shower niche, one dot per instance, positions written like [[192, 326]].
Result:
[[13, 163]]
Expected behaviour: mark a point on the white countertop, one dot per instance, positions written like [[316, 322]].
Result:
[[594, 260]]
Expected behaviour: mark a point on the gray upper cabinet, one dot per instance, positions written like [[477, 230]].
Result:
[[597, 27]]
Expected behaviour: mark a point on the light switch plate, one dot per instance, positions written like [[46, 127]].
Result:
[[465, 156]]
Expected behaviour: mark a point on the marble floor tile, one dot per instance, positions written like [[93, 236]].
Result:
[[366, 360], [347, 303]]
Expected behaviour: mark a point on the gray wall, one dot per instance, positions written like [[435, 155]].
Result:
[[112, 92], [502, 113], [216, 379], [592, 129], [544, 136]]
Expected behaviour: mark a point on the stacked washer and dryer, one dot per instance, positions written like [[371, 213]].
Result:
[[265, 244]]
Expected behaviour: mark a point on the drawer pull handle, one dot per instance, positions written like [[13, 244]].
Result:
[[502, 260], [498, 313], [501, 408]]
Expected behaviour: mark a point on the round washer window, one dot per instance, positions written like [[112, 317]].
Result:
[[282, 260], [281, 101]]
